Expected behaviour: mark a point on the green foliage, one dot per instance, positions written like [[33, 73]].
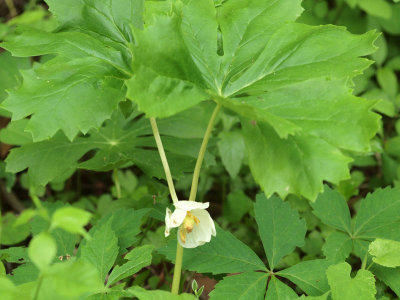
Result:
[[385, 252], [102, 250], [214, 258], [142, 294], [256, 79], [71, 219], [297, 112], [280, 228], [362, 286], [248, 285], [137, 259], [42, 250], [120, 142]]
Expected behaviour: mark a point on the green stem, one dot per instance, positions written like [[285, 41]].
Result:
[[11, 8], [193, 191], [200, 157], [117, 184], [177, 270], [164, 160], [36, 200], [38, 287]]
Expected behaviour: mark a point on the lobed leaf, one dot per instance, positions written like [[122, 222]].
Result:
[[343, 287]]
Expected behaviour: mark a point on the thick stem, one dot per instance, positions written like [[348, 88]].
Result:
[[200, 157], [163, 160], [117, 184], [177, 270]]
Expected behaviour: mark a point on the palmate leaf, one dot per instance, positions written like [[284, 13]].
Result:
[[225, 254], [81, 87], [120, 142], [251, 58]]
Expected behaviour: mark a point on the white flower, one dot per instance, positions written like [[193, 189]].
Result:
[[194, 222]]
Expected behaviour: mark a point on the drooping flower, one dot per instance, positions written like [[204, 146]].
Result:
[[195, 223]]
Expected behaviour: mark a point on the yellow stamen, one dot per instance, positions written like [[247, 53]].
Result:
[[182, 234], [187, 226]]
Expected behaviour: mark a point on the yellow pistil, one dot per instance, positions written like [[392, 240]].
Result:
[[187, 225]]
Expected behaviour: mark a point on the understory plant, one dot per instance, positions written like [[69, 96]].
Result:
[[149, 92]]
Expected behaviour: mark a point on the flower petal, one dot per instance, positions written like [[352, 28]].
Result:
[[190, 205], [203, 231], [167, 221], [177, 218], [191, 241]]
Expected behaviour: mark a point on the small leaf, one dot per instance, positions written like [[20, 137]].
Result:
[[143, 294], [332, 209], [125, 223], [71, 219], [237, 205], [308, 276], [247, 285], [378, 8], [25, 273], [137, 259], [385, 252], [231, 149], [11, 232], [42, 250], [337, 247], [388, 81], [70, 280], [2, 270], [279, 291], [343, 287], [323, 297], [102, 249], [280, 227], [378, 215], [25, 217], [390, 276]]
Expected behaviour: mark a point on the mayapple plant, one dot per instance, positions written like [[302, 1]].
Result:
[[290, 84]]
